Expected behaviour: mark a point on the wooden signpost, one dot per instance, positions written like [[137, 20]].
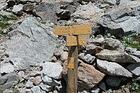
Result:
[[75, 36]]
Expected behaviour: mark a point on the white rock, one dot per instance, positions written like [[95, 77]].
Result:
[[113, 69], [17, 8], [47, 79], [6, 68], [52, 70]]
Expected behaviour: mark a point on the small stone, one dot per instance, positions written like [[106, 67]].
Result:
[[36, 89], [64, 56], [28, 91], [6, 68], [45, 87], [87, 58], [21, 74], [28, 7], [96, 90], [29, 84], [17, 9], [35, 73], [99, 39], [37, 80], [102, 86], [47, 79]]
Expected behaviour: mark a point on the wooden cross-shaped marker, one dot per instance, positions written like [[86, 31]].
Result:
[[75, 36]]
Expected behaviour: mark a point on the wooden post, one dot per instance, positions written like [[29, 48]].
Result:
[[74, 35], [72, 69]]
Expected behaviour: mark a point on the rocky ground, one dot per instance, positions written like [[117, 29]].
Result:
[[34, 60]]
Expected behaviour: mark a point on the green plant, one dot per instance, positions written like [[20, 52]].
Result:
[[132, 41], [135, 86]]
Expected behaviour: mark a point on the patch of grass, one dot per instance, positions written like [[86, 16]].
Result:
[[4, 21], [132, 41]]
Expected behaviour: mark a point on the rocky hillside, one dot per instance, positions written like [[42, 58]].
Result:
[[34, 60]]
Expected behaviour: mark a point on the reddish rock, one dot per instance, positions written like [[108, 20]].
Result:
[[88, 76]]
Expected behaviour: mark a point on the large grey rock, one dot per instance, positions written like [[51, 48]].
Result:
[[6, 68], [113, 69], [30, 44], [135, 69], [88, 76], [52, 70], [124, 18], [117, 56]]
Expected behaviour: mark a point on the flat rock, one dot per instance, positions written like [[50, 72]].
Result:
[[30, 44], [113, 69], [117, 56], [88, 76], [135, 69]]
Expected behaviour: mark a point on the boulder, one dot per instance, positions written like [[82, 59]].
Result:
[[30, 44], [88, 76], [113, 69], [117, 56]]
